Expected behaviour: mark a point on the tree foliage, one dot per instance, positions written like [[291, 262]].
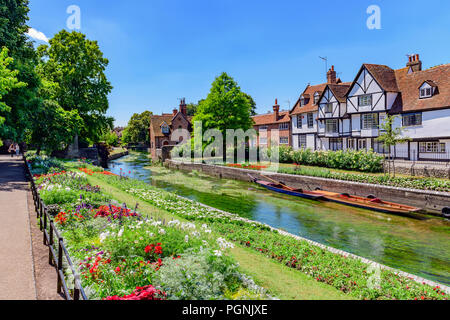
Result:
[[138, 127], [226, 107], [73, 68]]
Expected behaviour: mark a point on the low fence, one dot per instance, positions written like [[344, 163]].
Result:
[[58, 255]]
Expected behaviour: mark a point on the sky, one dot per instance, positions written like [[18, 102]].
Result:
[[162, 50]]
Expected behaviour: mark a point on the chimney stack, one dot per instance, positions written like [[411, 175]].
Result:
[[331, 76], [276, 110], [175, 111], [414, 63], [183, 108]]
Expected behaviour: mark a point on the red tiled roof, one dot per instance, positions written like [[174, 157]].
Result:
[[409, 84], [310, 106], [340, 91], [384, 75], [269, 118]]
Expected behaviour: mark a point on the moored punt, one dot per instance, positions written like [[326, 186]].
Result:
[[370, 203], [280, 188]]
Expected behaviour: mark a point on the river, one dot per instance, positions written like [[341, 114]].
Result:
[[420, 247]]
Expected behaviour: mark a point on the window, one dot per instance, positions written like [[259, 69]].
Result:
[[302, 141], [412, 119], [432, 147], [262, 140], [310, 120], [369, 121], [284, 126], [165, 129], [299, 121], [426, 92], [362, 144], [284, 140], [263, 128], [316, 97], [336, 144], [329, 108], [331, 126], [302, 102], [365, 100], [351, 144]]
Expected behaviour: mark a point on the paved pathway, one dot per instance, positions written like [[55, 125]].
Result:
[[16, 261]]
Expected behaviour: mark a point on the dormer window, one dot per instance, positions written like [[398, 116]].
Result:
[[302, 102], [316, 97], [165, 128], [426, 90]]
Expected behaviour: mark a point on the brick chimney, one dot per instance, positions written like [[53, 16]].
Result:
[[183, 108], [331, 75], [414, 63], [276, 110], [175, 111]]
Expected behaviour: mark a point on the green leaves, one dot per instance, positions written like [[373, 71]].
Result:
[[8, 80], [226, 107], [138, 128]]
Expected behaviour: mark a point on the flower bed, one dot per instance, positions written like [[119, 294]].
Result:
[[347, 274], [123, 255]]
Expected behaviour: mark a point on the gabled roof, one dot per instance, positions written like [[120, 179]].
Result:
[[269, 118], [156, 121], [383, 75], [310, 106], [409, 100], [339, 91]]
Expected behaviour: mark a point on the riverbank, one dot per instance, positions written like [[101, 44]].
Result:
[[117, 154], [431, 201]]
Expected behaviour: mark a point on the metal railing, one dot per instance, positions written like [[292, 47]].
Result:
[[58, 255]]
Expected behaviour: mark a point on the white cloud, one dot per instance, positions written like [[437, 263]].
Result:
[[33, 33]]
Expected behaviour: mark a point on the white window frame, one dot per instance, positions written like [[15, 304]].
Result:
[[284, 126], [333, 124], [310, 120], [365, 100], [284, 140], [299, 121], [369, 121], [432, 147], [412, 119], [351, 144], [302, 141], [426, 92]]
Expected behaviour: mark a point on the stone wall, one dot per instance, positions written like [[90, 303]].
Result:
[[422, 169], [432, 201], [117, 155]]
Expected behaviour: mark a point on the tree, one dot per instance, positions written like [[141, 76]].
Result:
[[252, 104], [138, 128], [390, 137], [226, 107], [8, 81], [23, 100], [75, 68]]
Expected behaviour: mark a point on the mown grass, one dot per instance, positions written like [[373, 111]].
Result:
[[282, 282]]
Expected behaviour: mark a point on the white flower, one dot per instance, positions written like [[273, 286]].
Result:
[[218, 253], [103, 236], [162, 231], [186, 238], [120, 233]]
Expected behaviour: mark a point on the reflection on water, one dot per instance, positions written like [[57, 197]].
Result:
[[418, 247]]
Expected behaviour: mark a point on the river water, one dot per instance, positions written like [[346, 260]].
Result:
[[420, 247]]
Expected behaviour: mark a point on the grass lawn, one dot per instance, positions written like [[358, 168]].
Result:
[[282, 282]]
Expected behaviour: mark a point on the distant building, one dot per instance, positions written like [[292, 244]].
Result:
[[266, 123], [163, 126]]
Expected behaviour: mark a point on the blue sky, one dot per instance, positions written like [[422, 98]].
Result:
[[162, 50]]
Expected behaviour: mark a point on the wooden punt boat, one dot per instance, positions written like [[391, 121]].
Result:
[[370, 203], [281, 188]]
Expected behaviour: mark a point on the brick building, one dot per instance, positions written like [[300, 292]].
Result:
[[266, 123], [163, 126]]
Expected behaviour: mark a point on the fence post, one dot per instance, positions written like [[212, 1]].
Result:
[[45, 223], [59, 266], [41, 227], [50, 256]]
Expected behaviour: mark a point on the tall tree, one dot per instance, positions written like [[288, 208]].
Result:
[[226, 106], [8, 82], [138, 127], [75, 68], [23, 100], [252, 104]]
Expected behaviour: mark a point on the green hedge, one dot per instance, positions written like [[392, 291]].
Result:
[[347, 160]]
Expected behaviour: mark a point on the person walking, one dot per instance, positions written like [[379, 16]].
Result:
[[17, 149], [12, 149]]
